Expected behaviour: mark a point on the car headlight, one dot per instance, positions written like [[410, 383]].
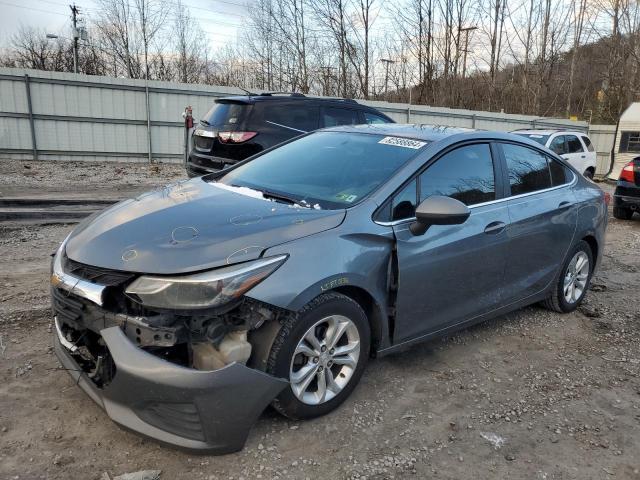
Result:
[[202, 290]]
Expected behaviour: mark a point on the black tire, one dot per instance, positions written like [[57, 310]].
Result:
[[622, 213], [293, 329], [589, 172], [556, 300]]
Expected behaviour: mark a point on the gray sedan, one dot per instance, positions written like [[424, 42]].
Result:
[[186, 311]]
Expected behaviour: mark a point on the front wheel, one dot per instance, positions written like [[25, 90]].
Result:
[[322, 350], [573, 281]]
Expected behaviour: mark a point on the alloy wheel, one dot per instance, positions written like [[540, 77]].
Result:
[[576, 276], [324, 360]]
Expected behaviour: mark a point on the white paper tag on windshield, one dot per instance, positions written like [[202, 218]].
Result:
[[402, 142]]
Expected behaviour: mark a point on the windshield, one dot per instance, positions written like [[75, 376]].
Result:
[[325, 169], [536, 137]]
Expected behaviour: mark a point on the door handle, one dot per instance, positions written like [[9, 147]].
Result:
[[564, 204], [583, 156], [494, 227]]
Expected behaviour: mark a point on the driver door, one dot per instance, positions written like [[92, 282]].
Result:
[[451, 273]]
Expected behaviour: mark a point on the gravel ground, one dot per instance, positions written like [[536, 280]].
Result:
[[532, 394], [112, 180]]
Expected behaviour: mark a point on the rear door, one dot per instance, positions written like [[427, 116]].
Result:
[[452, 272], [576, 154], [543, 219], [592, 156], [277, 122]]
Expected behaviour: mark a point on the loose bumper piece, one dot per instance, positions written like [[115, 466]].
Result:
[[199, 411]]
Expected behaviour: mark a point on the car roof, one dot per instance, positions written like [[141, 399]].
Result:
[[293, 97], [429, 133], [547, 132]]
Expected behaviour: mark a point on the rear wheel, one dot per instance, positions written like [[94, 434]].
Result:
[[322, 350], [573, 281], [589, 172], [622, 213]]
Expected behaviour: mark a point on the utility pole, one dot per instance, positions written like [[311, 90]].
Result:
[[386, 61], [75, 11], [466, 48]]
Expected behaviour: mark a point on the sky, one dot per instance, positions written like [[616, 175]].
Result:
[[220, 19]]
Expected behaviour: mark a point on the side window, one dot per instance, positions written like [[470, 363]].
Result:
[[298, 117], [557, 145], [465, 174], [587, 142], [573, 144], [559, 173], [528, 170], [333, 116], [403, 204], [372, 118], [630, 142]]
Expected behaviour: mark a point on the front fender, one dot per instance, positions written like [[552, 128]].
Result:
[[325, 262]]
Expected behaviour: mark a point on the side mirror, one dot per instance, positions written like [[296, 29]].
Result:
[[438, 210]]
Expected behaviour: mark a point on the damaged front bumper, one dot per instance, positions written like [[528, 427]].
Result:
[[200, 411]]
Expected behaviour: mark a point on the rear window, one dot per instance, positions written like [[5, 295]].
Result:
[[528, 169], [294, 119], [573, 144], [226, 114], [536, 137], [332, 117], [559, 173], [373, 119], [588, 143], [327, 169]]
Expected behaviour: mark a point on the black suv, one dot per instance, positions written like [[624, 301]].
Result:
[[238, 127], [626, 198]]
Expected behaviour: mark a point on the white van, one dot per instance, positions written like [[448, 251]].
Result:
[[575, 147]]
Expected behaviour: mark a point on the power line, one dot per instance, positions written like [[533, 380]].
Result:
[[222, 1], [33, 8]]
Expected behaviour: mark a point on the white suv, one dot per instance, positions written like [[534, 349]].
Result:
[[574, 147]]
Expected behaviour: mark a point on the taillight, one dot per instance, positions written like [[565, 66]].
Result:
[[627, 173], [607, 198], [236, 137]]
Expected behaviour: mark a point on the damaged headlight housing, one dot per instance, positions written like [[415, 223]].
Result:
[[202, 290]]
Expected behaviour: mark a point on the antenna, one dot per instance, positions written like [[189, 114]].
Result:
[[245, 90]]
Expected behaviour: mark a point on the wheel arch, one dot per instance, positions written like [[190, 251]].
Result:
[[593, 244], [375, 314], [356, 288]]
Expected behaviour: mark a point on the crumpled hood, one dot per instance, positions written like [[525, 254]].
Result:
[[189, 226]]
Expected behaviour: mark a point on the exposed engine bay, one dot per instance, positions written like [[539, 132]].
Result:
[[201, 339]]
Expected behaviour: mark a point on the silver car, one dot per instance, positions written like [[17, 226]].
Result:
[[184, 312]]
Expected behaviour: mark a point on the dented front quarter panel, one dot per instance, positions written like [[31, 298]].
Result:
[[358, 255]]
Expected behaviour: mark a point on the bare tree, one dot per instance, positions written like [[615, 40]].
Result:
[[579, 11], [151, 15], [190, 50]]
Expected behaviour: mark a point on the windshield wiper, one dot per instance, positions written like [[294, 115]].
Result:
[[284, 198], [204, 122]]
